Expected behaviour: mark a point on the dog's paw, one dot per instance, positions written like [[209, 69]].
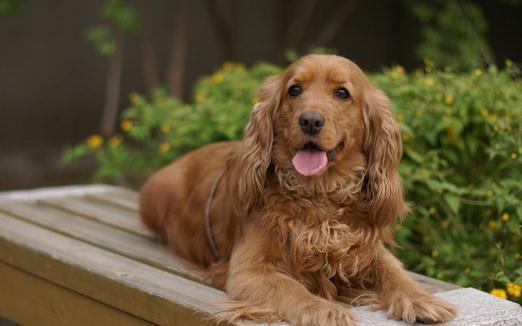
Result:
[[323, 313], [422, 307]]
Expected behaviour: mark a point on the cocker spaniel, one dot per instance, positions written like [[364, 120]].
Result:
[[299, 211]]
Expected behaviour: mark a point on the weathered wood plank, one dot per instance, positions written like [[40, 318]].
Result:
[[31, 300], [100, 235], [433, 285], [115, 197], [104, 213], [128, 285]]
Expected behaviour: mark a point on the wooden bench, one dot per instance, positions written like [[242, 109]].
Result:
[[79, 255]]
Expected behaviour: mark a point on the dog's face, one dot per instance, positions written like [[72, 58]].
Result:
[[322, 117], [319, 121]]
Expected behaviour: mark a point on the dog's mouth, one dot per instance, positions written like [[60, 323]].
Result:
[[311, 159]]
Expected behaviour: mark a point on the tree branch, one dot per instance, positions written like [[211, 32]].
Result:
[[177, 49], [112, 91], [148, 53], [224, 28]]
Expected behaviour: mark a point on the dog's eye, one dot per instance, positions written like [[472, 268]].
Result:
[[342, 93], [294, 90]]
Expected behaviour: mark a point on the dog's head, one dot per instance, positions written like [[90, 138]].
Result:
[[321, 118]]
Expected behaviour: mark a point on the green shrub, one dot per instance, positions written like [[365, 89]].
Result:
[[462, 164], [462, 169]]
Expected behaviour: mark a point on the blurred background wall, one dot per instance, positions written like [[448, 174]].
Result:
[[53, 82]]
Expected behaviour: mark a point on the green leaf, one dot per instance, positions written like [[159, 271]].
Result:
[[514, 226], [453, 202], [500, 276]]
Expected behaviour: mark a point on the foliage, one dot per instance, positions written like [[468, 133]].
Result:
[[462, 162], [453, 33], [462, 166], [117, 13], [156, 130], [11, 7]]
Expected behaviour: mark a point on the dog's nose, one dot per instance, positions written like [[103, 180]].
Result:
[[311, 122]]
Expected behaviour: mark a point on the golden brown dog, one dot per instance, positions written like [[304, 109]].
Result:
[[301, 208]]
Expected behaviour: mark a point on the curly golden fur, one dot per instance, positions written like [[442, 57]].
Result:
[[291, 243]]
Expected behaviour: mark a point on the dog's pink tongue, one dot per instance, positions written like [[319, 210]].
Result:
[[309, 162]]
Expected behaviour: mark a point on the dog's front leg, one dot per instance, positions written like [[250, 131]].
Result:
[[254, 280], [402, 297]]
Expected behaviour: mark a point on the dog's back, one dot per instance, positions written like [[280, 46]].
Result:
[[173, 200]]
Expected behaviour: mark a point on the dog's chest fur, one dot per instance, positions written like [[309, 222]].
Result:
[[320, 246]]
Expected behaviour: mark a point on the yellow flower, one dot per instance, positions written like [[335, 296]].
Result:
[[94, 141], [448, 99], [513, 156], [115, 141], [501, 293], [165, 128], [200, 98], [514, 289], [509, 63], [494, 117], [126, 125], [399, 69], [435, 253], [227, 65], [418, 114], [477, 72], [467, 270], [483, 112], [492, 224], [432, 210], [445, 224], [505, 217], [164, 147], [134, 97], [216, 78], [430, 82]]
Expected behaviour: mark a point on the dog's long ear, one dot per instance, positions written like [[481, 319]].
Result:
[[247, 167], [383, 190]]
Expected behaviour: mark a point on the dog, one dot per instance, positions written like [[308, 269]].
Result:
[[300, 211]]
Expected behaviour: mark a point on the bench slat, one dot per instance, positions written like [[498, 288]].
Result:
[[53, 305], [104, 213], [433, 285], [127, 244], [116, 198], [143, 291]]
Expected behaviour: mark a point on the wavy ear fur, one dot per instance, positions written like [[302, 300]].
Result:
[[384, 192], [247, 167]]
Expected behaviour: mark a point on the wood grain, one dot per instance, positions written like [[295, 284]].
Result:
[[136, 288], [31, 300], [104, 213], [127, 244], [116, 198]]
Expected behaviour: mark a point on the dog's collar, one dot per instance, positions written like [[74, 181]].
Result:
[[208, 227]]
